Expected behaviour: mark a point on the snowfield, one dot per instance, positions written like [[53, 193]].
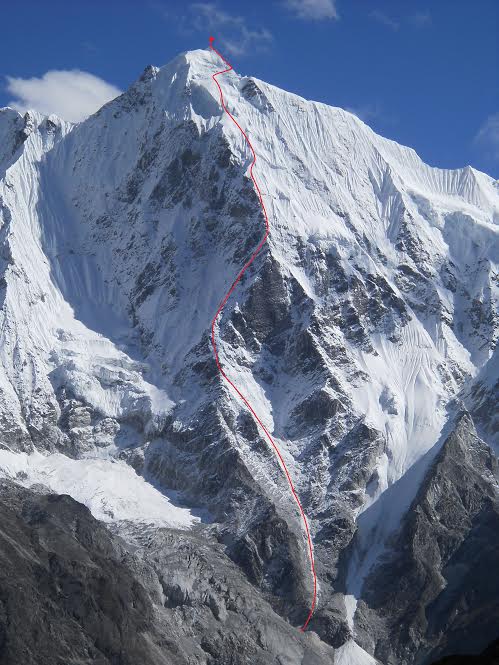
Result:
[[110, 488]]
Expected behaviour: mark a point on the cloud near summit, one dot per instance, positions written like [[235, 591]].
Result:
[[232, 30], [71, 94]]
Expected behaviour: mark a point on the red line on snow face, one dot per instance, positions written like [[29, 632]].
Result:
[[215, 349]]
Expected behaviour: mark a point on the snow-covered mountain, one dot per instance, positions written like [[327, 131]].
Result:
[[363, 334]]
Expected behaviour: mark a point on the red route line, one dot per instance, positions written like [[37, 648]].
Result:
[[214, 344]]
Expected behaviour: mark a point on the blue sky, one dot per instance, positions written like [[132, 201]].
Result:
[[423, 73]]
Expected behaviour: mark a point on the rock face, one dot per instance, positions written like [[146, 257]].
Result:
[[358, 334], [71, 592], [435, 592], [490, 656], [67, 592]]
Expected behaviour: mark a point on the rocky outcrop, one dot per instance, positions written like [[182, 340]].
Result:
[[489, 656], [72, 592], [66, 591], [435, 592]]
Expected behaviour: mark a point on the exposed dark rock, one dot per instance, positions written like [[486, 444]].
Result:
[[490, 656], [255, 96], [72, 593], [67, 595], [435, 593], [330, 622]]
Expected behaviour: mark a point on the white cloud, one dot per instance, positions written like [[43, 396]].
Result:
[[313, 9], [229, 29], [418, 20], [384, 19], [71, 94], [487, 137], [374, 111], [366, 112], [421, 19]]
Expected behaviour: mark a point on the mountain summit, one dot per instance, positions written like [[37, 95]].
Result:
[[363, 334]]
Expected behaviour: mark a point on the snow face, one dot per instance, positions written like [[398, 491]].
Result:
[[352, 654], [110, 488], [331, 184], [368, 315]]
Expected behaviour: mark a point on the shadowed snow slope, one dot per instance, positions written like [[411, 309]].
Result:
[[362, 328]]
